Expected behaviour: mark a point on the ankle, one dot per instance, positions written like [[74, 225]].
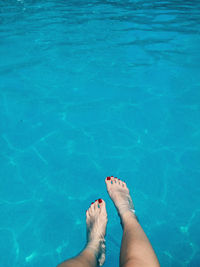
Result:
[[128, 218], [93, 246]]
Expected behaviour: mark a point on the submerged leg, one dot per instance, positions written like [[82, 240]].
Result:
[[85, 259], [93, 254], [136, 250]]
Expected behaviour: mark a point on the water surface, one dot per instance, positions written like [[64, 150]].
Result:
[[90, 89]]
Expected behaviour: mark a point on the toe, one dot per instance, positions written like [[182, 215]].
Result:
[[112, 180], [116, 180], [91, 209], [121, 183], [108, 182], [102, 206], [101, 203], [96, 205], [125, 185]]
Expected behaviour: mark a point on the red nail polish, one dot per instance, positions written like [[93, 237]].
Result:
[[108, 178], [92, 203], [100, 200]]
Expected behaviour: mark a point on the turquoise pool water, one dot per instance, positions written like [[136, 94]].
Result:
[[90, 89]]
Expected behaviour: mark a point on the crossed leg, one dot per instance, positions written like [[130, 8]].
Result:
[[136, 250]]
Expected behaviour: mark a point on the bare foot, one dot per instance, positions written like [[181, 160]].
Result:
[[119, 193], [96, 220]]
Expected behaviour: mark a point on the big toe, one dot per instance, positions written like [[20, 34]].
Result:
[[102, 207]]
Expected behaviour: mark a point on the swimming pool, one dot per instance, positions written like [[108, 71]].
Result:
[[90, 89]]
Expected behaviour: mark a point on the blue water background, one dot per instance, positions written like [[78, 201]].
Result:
[[90, 89]]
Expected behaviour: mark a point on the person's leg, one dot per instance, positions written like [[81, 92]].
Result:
[[93, 254], [136, 250], [85, 259]]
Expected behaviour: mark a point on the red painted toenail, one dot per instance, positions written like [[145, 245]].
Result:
[[108, 178], [100, 200], [92, 203]]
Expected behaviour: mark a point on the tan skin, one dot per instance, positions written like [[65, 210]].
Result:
[[136, 250]]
